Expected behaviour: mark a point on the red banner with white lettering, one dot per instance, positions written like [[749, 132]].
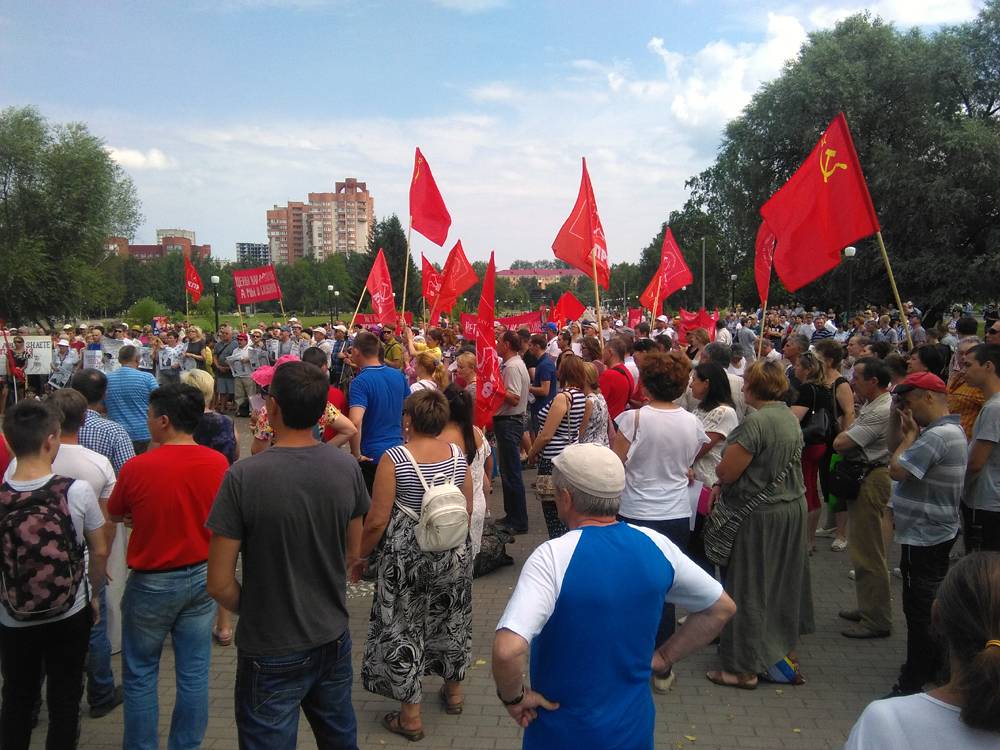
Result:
[[532, 320], [490, 392], [192, 281], [371, 319], [256, 285], [468, 326]]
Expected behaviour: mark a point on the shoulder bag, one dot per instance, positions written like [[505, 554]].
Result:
[[723, 523], [816, 424]]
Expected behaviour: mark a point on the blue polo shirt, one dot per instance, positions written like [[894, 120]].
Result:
[[545, 371], [589, 603], [127, 400], [380, 390]]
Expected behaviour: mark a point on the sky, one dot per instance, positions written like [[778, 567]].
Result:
[[219, 109]]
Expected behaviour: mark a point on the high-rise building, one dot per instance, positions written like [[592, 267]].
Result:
[[337, 222], [187, 234], [257, 253]]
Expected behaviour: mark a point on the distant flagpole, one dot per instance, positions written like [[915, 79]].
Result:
[[406, 272], [895, 291]]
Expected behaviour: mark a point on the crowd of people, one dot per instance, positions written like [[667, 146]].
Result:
[[676, 467]]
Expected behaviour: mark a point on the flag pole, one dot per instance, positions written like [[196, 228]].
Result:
[[597, 300], [281, 304], [763, 316], [360, 300], [239, 311], [656, 299], [187, 306], [895, 291], [406, 269]]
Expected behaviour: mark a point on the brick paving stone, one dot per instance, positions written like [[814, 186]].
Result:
[[842, 677]]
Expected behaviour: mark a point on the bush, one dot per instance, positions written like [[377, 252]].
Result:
[[143, 311]]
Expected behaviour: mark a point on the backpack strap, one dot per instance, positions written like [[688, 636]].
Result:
[[416, 467], [454, 470]]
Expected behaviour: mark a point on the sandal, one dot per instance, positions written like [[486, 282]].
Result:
[[450, 708], [391, 721], [742, 683], [222, 640]]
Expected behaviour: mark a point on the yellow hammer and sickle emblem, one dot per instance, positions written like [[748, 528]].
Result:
[[825, 157]]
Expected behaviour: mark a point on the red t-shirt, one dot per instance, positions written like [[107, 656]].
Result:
[[616, 386], [5, 456], [169, 492]]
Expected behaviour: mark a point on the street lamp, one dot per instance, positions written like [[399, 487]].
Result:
[[329, 300], [336, 303], [732, 292], [215, 293], [849, 253]]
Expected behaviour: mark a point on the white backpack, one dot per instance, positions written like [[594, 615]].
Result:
[[443, 523]]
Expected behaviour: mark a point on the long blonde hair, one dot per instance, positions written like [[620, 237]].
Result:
[[429, 363]]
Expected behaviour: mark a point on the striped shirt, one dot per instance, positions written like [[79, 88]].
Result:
[[127, 400], [925, 503], [409, 490], [107, 438], [568, 430]]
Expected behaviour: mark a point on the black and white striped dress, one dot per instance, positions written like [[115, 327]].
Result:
[[421, 619], [568, 431]]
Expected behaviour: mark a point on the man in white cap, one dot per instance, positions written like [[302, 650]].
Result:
[[603, 584], [64, 361]]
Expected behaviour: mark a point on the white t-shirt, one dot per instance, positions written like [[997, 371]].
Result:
[[534, 598], [916, 721], [722, 420], [86, 514], [665, 446], [724, 336], [78, 462]]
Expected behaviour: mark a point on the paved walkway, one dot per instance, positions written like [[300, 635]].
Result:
[[842, 677]]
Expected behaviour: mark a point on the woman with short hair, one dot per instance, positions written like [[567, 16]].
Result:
[[767, 571], [421, 617]]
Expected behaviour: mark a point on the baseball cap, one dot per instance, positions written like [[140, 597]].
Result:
[[593, 469], [663, 318], [926, 381], [550, 326], [293, 319], [63, 342], [341, 328], [286, 329], [242, 335], [67, 327]]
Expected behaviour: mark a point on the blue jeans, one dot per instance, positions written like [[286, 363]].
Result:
[[508, 431], [100, 678], [156, 605], [678, 531], [270, 690]]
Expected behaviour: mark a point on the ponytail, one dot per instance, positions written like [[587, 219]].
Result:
[[440, 376]]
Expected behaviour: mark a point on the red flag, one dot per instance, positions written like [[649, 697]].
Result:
[[700, 319], [192, 281], [634, 316], [490, 392], [379, 286], [672, 274], [581, 238], [569, 307], [430, 281], [763, 259], [428, 214], [256, 285], [823, 207], [456, 277]]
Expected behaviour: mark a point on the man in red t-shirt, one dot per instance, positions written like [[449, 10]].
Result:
[[168, 494], [616, 381]]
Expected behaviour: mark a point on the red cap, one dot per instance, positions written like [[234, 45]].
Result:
[[926, 381]]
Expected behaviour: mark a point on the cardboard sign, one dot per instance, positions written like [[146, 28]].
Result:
[[40, 355], [256, 285]]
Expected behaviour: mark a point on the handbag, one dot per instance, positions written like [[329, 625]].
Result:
[[846, 478], [724, 522], [816, 425]]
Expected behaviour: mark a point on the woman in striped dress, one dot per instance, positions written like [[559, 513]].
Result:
[[421, 619], [561, 419]]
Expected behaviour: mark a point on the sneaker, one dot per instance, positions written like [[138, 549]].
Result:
[[851, 574], [897, 573], [860, 631], [827, 533], [851, 615], [103, 709], [663, 684], [839, 545]]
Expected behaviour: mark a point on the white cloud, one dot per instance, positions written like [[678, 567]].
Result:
[[493, 92], [903, 12], [470, 6], [131, 158]]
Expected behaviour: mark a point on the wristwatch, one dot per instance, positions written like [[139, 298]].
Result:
[[514, 702]]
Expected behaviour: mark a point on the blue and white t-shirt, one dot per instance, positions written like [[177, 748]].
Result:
[[589, 603]]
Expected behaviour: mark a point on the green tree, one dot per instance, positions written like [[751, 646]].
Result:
[[391, 239], [61, 196], [931, 155]]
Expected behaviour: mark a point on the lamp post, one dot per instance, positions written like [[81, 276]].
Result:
[[329, 300], [215, 293], [848, 256], [732, 292], [702, 271], [336, 303]]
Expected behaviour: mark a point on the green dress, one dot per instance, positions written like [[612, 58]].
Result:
[[768, 571]]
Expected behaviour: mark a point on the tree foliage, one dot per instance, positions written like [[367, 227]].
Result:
[[61, 196], [923, 111]]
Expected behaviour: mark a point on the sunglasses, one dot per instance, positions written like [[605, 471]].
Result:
[[992, 331]]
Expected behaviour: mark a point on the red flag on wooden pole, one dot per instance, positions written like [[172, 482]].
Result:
[[490, 392], [763, 260], [823, 207], [456, 277], [569, 307], [192, 281], [430, 280], [379, 286], [428, 214], [580, 241], [672, 274]]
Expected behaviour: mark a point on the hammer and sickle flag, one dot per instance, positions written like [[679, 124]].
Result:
[[823, 207], [428, 214], [581, 241], [379, 285]]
